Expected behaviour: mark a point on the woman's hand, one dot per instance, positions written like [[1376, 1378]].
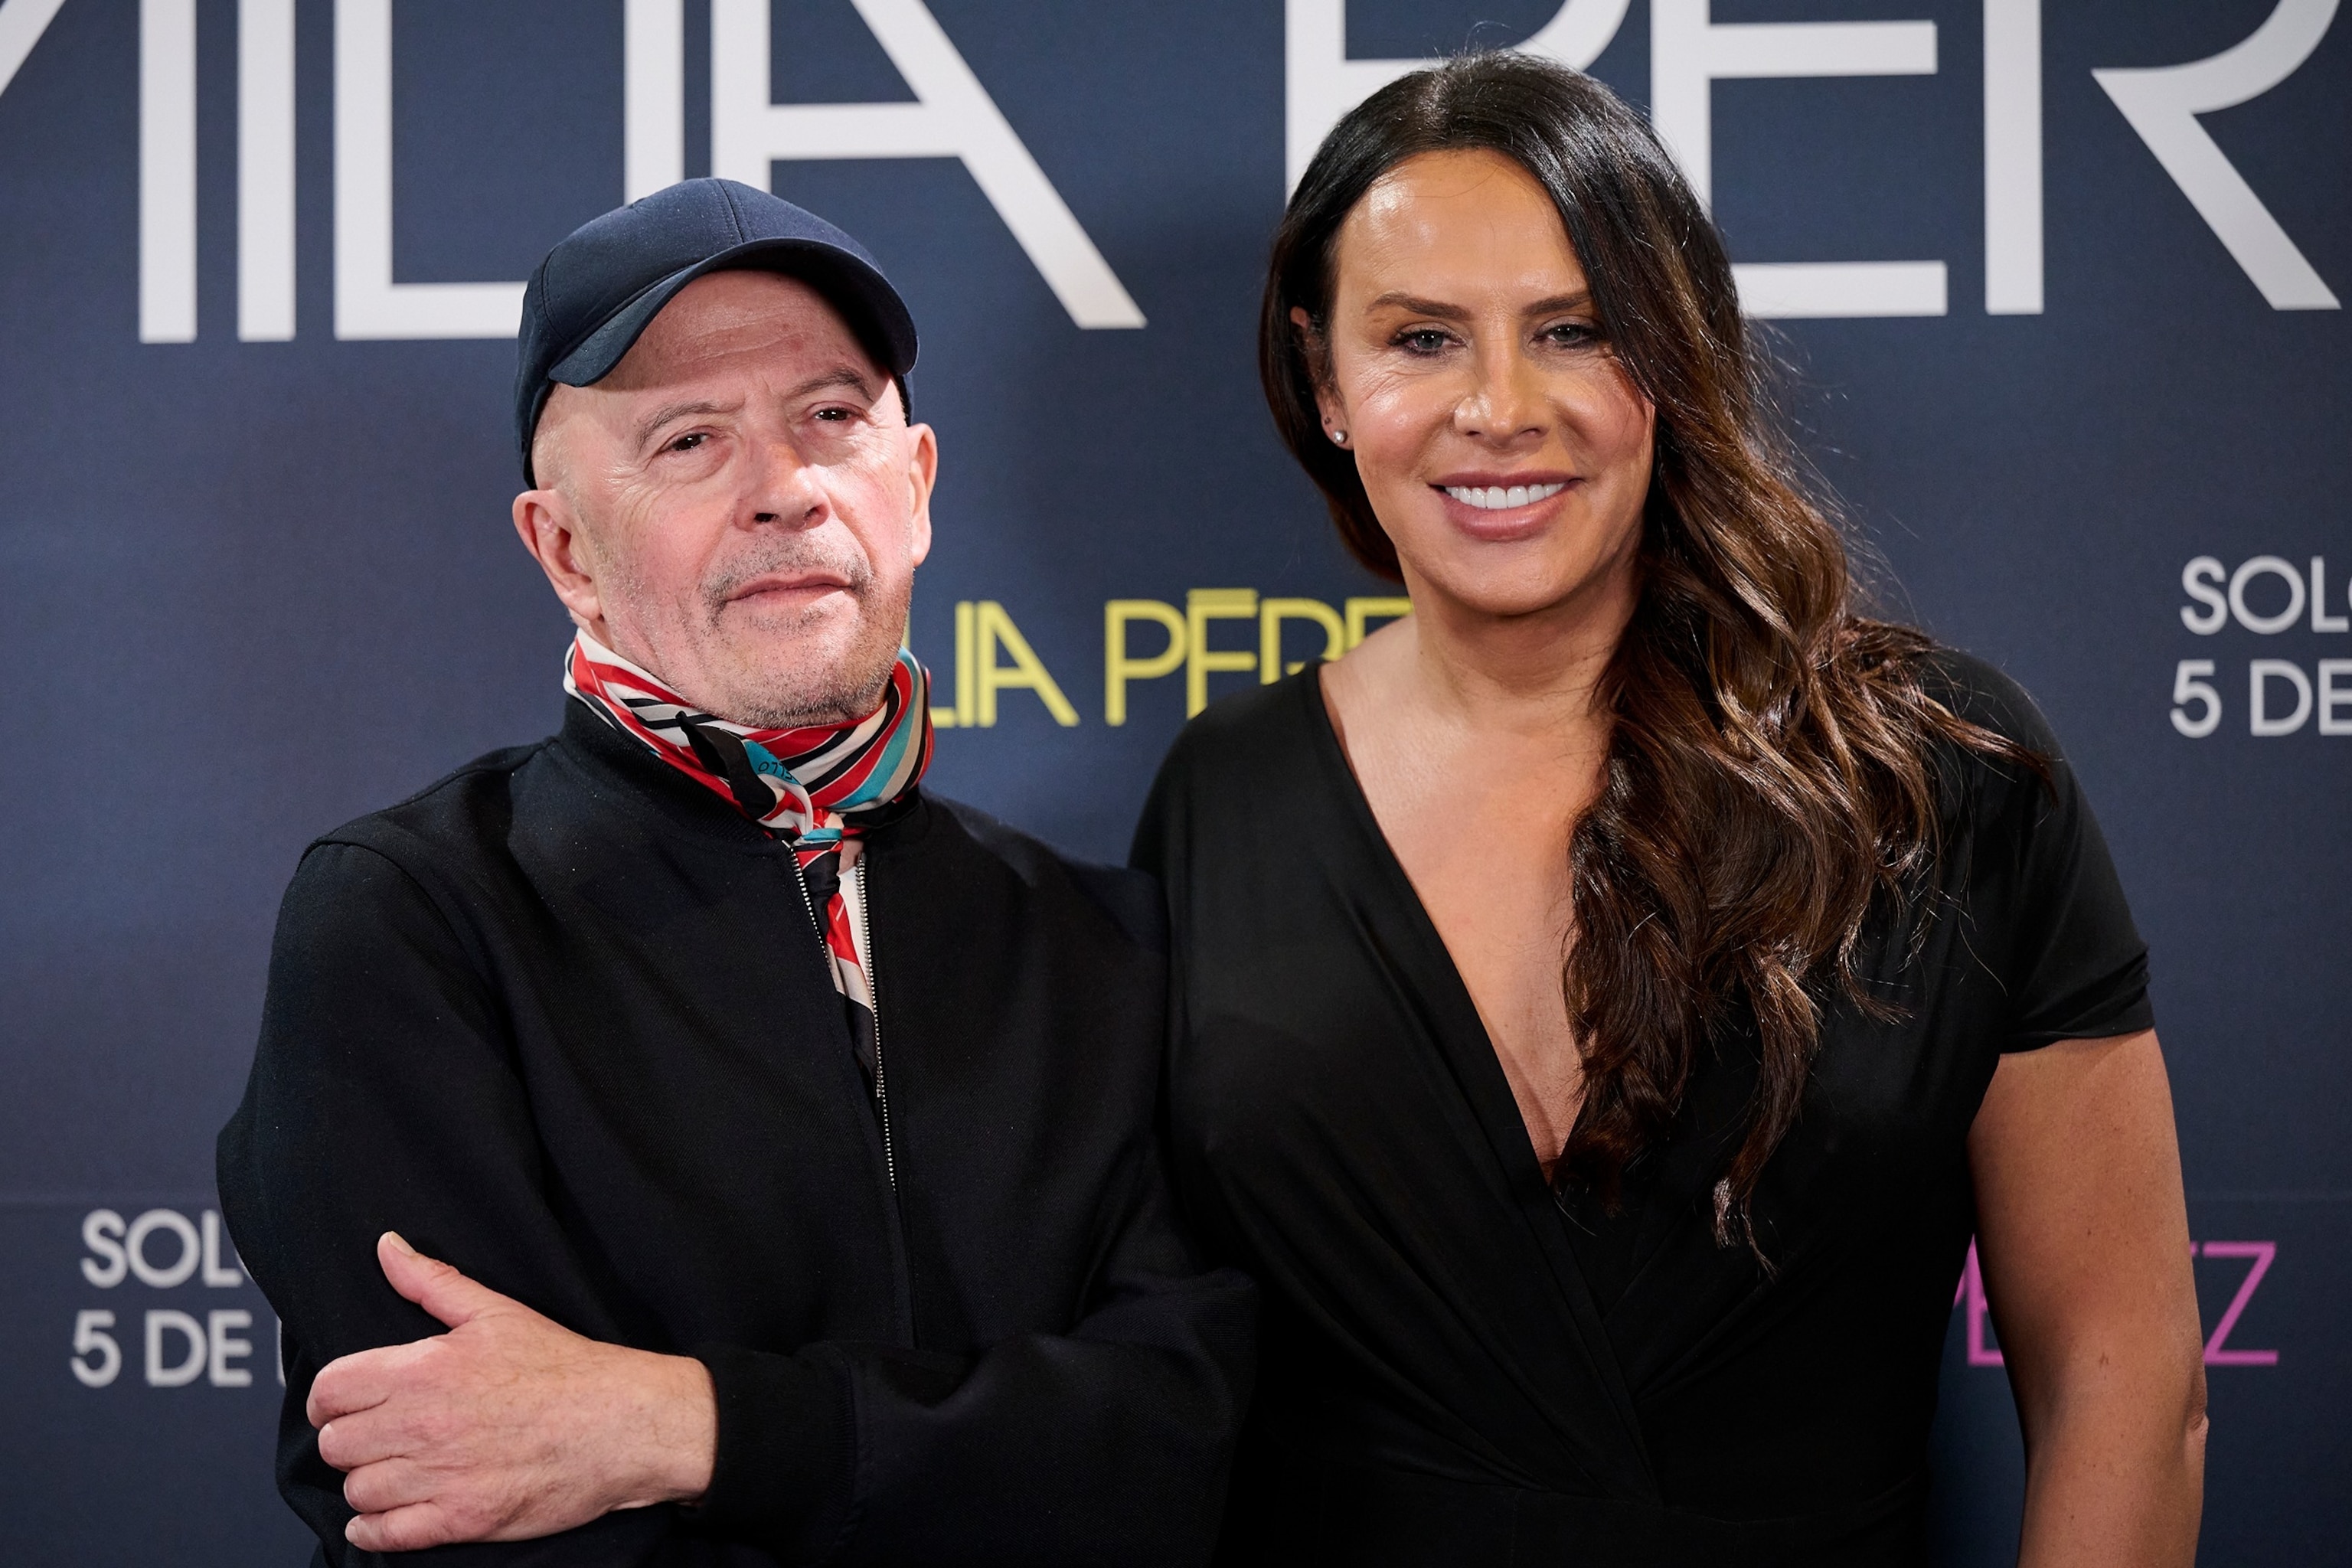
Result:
[[2083, 1236]]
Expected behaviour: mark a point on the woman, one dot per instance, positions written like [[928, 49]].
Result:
[[1612, 997]]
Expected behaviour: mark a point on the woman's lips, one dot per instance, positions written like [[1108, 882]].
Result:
[[1504, 498], [1500, 509]]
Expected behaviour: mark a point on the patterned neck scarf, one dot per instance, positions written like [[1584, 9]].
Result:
[[816, 789]]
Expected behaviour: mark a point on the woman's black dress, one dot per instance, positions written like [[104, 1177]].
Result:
[[1458, 1368]]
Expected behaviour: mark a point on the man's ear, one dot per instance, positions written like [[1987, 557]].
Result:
[[550, 529], [922, 475]]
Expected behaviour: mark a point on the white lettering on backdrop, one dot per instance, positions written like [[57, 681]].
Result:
[[2012, 157], [2163, 104], [953, 116], [368, 303], [1689, 52], [163, 1250], [265, 171], [1320, 83], [2267, 596], [167, 171], [653, 97]]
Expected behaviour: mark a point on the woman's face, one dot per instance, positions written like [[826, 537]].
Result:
[[1504, 449]]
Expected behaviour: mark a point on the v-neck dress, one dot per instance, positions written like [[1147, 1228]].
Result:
[[1459, 1367]]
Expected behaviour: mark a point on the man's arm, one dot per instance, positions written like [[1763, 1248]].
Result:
[[1108, 1443], [508, 1427], [383, 1098]]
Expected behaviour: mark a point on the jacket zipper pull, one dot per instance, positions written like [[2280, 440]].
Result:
[[873, 991]]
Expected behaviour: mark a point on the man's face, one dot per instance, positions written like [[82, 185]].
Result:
[[740, 505]]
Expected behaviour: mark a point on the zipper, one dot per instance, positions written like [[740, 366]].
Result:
[[873, 991], [874, 1002]]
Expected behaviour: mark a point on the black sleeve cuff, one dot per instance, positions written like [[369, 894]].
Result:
[[786, 1459]]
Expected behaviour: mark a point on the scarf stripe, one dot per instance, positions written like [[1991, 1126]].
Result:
[[823, 778], [817, 788]]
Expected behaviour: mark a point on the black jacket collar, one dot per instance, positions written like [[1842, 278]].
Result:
[[632, 778]]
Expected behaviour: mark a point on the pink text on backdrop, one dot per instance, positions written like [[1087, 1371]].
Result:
[[2218, 1351]]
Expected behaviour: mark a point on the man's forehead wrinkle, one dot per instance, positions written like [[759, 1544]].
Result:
[[727, 341], [847, 376], [644, 427]]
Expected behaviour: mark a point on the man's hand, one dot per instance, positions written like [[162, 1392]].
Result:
[[507, 1428]]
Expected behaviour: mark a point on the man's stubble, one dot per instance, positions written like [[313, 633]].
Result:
[[780, 669]]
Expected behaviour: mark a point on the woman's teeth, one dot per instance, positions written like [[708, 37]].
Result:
[[1495, 497]]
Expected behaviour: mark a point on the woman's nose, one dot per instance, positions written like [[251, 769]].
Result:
[[1507, 400]]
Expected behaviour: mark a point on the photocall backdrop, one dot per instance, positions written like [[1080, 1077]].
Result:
[[2060, 288]]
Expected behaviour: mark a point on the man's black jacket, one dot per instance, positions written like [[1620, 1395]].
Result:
[[564, 1021]]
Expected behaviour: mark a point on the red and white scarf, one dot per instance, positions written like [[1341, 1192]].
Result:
[[817, 788]]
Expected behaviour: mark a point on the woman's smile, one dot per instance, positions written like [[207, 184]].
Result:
[[1504, 509]]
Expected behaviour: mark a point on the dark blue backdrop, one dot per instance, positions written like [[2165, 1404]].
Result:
[[254, 581]]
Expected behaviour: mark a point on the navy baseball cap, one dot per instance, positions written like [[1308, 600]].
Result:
[[597, 290]]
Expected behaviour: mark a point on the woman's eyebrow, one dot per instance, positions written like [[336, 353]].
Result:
[[1419, 305], [1580, 301]]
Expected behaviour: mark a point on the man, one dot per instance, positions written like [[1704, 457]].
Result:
[[775, 1142]]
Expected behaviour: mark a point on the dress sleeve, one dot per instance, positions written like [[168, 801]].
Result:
[[2044, 887]]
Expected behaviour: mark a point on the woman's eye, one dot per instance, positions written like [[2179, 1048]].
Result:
[[1572, 335], [689, 441], [1425, 341]]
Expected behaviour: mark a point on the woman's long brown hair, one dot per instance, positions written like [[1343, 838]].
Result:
[[1771, 774]]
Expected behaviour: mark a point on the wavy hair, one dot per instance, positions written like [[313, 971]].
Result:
[[1771, 774]]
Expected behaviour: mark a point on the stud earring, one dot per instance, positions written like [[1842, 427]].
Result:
[[1338, 438]]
